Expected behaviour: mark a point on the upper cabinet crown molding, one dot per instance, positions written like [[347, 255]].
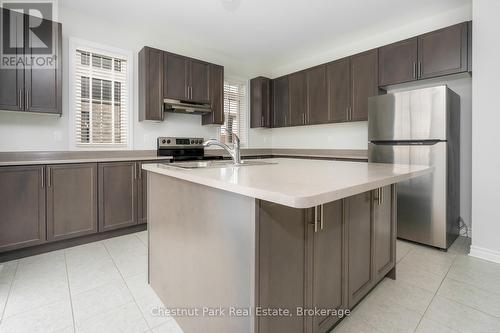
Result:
[[165, 75], [29, 88]]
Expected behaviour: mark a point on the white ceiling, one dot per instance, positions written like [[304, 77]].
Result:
[[262, 32]]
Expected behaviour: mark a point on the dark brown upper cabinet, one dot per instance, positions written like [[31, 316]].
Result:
[[185, 78], [398, 62], [175, 76], [71, 200], [260, 97], [317, 95], [216, 97], [22, 207], [150, 84], [165, 75], [364, 83], [339, 89], [437, 53], [443, 51], [199, 83], [280, 102], [32, 88], [298, 98]]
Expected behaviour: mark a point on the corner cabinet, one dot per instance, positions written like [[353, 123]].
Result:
[[325, 257], [260, 105], [31, 88], [165, 75], [150, 84], [280, 102]]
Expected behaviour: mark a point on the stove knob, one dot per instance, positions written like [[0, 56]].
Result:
[[192, 141], [163, 141], [168, 141]]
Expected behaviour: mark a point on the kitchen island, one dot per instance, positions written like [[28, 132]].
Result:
[[283, 247]]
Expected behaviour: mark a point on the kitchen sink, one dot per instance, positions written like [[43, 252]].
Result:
[[213, 164]]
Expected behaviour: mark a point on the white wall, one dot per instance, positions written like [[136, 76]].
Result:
[[21, 131], [485, 132]]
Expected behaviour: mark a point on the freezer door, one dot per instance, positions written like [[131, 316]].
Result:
[[414, 115], [422, 215]]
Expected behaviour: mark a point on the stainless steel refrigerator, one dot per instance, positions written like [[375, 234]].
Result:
[[421, 127]]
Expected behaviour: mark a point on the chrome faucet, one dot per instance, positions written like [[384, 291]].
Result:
[[234, 152]]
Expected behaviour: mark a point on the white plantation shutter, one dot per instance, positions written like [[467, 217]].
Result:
[[101, 117], [235, 112]]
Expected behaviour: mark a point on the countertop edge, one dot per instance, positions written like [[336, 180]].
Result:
[[284, 199]]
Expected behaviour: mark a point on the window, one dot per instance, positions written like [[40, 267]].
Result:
[[100, 103], [235, 112]]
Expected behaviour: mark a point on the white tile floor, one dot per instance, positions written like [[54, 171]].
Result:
[[102, 287]]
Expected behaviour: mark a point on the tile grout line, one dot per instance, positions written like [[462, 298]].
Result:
[[69, 290], [435, 294], [126, 285], [9, 293]]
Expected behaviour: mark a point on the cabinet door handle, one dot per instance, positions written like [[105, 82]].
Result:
[[139, 171], [27, 102], [316, 219], [135, 170], [262, 121], [322, 218], [414, 70], [419, 69], [43, 177], [49, 177], [20, 99], [381, 196]]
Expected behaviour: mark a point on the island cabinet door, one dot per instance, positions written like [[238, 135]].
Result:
[[326, 264], [360, 246], [117, 195], [384, 223], [281, 262], [71, 200], [142, 193]]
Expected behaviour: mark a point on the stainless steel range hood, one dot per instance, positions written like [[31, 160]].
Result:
[[177, 106]]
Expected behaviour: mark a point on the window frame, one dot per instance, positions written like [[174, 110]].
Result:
[[245, 83], [74, 45]]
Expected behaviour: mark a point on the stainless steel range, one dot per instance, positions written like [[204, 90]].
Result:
[[183, 149]]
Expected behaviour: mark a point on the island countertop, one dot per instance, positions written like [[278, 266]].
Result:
[[296, 183]]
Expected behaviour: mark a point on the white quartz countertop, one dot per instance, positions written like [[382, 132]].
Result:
[[296, 182]]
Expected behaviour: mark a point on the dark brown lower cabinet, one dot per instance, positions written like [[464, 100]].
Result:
[[281, 265], [360, 246], [328, 265], [117, 195], [326, 257], [384, 224], [301, 265], [71, 200], [22, 207]]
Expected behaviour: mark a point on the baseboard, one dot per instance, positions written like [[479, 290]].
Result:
[[63, 244], [486, 254]]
